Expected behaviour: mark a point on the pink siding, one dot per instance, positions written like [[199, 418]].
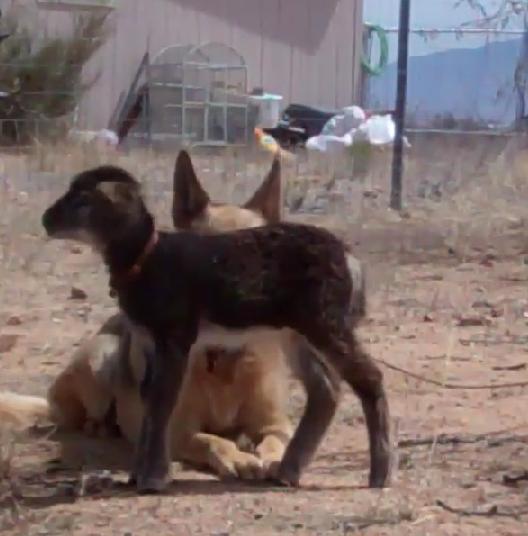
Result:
[[306, 50]]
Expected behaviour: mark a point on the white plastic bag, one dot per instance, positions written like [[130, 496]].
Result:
[[326, 144], [379, 129], [350, 127]]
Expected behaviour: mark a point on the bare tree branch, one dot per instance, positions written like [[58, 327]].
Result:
[[498, 19], [506, 11]]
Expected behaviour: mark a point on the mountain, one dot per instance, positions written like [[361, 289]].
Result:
[[468, 83]]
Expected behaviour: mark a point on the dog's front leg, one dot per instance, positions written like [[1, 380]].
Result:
[[165, 374], [219, 454]]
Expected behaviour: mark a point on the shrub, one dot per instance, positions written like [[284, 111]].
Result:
[[44, 77]]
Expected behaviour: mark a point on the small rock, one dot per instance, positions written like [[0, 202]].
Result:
[[496, 312], [487, 260], [13, 321], [481, 304], [431, 277], [428, 318], [516, 223], [7, 342], [515, 478], [465, 267], [75, 249], [77, 294], [473, 321], [370, 194], [407, 303], [95, 482]]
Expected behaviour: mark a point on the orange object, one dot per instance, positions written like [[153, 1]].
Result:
[[268, 142]]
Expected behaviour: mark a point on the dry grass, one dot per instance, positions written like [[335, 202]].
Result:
[[459, 241], [10, 509]]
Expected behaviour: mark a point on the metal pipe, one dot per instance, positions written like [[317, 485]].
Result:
[[401, 98]]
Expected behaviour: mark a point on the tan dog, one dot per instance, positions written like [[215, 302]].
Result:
[[224, 394]]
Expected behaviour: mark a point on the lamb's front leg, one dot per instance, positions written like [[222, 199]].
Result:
[[165, 371]]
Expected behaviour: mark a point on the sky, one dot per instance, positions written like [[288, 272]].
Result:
[[431, 14], [423, 12]]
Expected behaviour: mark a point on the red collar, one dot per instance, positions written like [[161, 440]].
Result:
[[136, 268]]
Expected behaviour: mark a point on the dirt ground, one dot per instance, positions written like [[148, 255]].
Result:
[[447, 301]]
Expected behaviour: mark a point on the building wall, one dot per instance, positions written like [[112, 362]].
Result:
[[306, 50]]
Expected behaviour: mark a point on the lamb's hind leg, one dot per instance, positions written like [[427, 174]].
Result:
[[322, 386], [361, 373], [366, 379]]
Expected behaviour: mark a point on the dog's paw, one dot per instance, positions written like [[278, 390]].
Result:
[[250, 467], [271, 451], [271, 469], [241, 465]]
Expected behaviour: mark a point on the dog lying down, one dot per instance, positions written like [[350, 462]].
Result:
[[183, 290]]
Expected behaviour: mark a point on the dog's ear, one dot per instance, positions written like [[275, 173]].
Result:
[[120, 193], [189, 198], [268, 198]]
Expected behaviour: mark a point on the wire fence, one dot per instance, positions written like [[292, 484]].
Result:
[[459, 79], [461, 100]]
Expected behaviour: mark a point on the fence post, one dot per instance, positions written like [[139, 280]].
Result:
[[401, 97]]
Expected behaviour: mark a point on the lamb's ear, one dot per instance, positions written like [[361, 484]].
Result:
[[189, 198], [120, 193], [268, 198]]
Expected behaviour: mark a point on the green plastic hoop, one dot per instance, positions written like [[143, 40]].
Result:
[[376, 70]]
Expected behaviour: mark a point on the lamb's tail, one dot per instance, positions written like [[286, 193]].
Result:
[[358, 299], [23, 410]]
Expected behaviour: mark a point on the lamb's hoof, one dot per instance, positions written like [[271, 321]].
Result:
[[151, 485], [283, 483], [379, 481], [286, 477], [382, 471]]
